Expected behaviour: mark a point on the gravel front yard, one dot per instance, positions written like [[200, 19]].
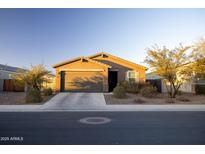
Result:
[[159, 99], [17, 98]]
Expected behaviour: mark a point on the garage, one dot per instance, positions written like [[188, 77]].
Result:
[[84, 81], [82, 74]]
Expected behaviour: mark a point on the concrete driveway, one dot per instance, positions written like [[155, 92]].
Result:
[[76, 101]]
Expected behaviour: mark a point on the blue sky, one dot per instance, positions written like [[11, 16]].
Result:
[[49, 36]]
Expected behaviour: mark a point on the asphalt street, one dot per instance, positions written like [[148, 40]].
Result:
[[139, 128]]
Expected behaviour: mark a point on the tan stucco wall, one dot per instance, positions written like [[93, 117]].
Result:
[[83, 66], [121, 67], [50, 83]]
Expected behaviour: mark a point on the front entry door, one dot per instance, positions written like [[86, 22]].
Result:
[[112, 79]]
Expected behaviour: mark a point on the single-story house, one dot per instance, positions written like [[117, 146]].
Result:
[[6, 81], [100, 72]]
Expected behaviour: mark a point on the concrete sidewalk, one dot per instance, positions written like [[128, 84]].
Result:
[[19, 108], [40, 108]]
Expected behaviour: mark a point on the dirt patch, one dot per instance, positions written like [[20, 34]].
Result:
[[18, 98], [158, 99]]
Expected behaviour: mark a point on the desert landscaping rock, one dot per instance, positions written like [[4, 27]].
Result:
[[159, 99]]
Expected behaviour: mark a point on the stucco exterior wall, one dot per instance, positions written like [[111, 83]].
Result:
[[121, 67], [5, 74], [80, 66], [51, 83]]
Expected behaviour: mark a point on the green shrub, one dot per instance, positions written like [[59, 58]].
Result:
[[133, 90], [33, 96], [144, 84], [133, 87], [199, 89], [148, 91], [119, 92], [124, 84], [47, 91]]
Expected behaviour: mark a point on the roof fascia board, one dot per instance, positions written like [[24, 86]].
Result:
[[80, 58], [82, 70], [126, 61]]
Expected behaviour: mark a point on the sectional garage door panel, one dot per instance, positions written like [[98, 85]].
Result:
[[83, 82]]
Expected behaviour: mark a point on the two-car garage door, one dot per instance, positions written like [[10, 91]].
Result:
[[85, 81]]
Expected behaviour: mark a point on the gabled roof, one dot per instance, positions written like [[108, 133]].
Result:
[[79, 58], [10, 68], [126, 61]]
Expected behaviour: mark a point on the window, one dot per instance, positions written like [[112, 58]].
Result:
[[132, 76]]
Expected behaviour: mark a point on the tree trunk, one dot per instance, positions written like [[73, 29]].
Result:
[[176, 89], [168, 89]]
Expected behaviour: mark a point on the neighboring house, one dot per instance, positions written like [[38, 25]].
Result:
[[187, 87], [6, 81], [156, 81], [97, 73]]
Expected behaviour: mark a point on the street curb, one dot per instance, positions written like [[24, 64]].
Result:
[[170, 110]]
